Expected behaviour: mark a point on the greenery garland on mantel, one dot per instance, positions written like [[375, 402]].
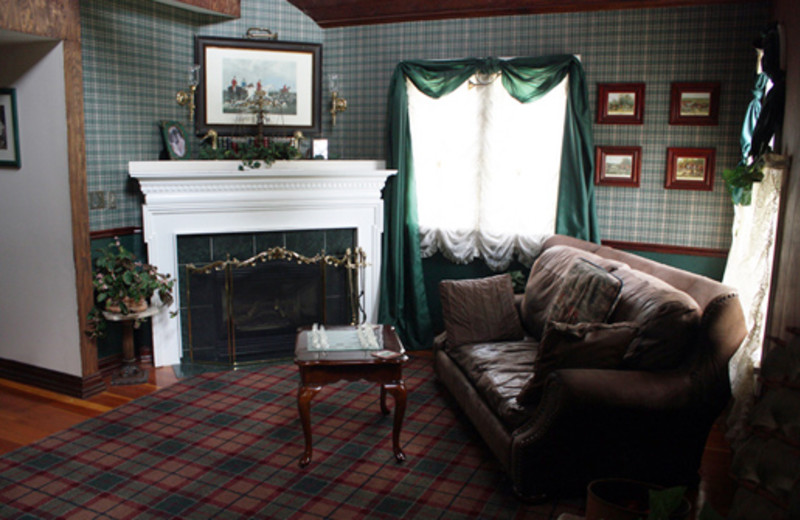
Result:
[[252, 153]]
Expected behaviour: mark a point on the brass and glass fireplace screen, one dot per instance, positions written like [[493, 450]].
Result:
[[240, 312]]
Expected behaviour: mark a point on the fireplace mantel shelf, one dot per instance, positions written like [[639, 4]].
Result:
[[164, 170], [205, 197], [215, 176]]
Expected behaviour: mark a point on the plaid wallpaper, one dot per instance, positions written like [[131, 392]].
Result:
[[653, 46], [136, 55]]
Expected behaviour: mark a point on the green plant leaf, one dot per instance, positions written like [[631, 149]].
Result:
[[118, 275], [664, 502]]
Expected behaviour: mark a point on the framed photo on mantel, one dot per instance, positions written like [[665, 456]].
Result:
[[242, 78]]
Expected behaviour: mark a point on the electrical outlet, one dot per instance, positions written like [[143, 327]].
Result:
[[97, 200], [111, 200]]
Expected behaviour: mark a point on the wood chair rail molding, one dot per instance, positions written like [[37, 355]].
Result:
[[666, 249]]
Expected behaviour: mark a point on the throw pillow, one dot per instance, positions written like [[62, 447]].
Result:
[[668, 320], [545, 280], [581, 345], [479, 310], [588, 293]]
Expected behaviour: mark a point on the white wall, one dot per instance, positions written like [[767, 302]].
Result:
[[39, 324]]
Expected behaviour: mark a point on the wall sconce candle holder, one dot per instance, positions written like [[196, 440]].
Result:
[[184, 98], [338, 102]]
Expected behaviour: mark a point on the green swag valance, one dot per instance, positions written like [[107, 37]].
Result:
[[402, 296]]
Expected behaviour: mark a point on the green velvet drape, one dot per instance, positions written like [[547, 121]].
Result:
[[402, 299], [751, 116]]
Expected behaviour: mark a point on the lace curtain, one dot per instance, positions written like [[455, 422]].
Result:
[[749, 270], [487, 170]]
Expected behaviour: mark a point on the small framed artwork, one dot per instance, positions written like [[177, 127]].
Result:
[[620, 103], [690, 169], [249, 83], [9, 129], [694, 104], [618, 165], [175, 141]]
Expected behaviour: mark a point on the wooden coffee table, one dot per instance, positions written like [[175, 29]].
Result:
[[319, 368]]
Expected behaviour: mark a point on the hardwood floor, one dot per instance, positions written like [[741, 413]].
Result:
[[28, 414]]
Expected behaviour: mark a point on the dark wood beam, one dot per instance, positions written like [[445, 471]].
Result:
[[339, 13], [55, 19], [227, 8]]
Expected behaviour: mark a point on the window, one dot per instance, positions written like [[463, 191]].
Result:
[[486, 170]]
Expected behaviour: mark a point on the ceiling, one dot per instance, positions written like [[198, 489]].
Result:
[[340, 13]]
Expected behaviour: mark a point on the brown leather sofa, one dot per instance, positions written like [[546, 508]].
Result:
[[646, 419]]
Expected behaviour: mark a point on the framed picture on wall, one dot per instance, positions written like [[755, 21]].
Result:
[[690, 169], [240, 79], [9, 129], [620, 103], [175, 140], [694, 104], [618, 165]]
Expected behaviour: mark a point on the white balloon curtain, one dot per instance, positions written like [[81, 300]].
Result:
[[487, 170]]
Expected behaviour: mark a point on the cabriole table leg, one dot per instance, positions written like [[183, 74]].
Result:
[[398, 391], [304, 396]]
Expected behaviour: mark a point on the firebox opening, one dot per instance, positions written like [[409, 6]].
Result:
[[241, 312], [250, 314]]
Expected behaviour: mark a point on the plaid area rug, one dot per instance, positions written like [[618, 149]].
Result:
[[227, 445]]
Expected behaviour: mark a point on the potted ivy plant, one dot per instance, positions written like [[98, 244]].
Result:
[[124, 285]]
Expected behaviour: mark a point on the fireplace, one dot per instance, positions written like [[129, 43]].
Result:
[[215, 197], [239, 312]]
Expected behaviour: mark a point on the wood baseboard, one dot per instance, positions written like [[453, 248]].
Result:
[[75, 386], [666, 249]]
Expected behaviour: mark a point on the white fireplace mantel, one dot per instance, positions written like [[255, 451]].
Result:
[[207, 197]]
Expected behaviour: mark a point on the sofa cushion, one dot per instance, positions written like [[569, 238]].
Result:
[[479, 310], [588, 293], [668, 320], [498, 371], [580, 345], [545, 279]]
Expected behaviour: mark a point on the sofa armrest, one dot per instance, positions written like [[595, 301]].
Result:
[[628, 423], [633, 390]]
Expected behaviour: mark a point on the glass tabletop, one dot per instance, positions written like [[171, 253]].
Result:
[[306, 352]]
